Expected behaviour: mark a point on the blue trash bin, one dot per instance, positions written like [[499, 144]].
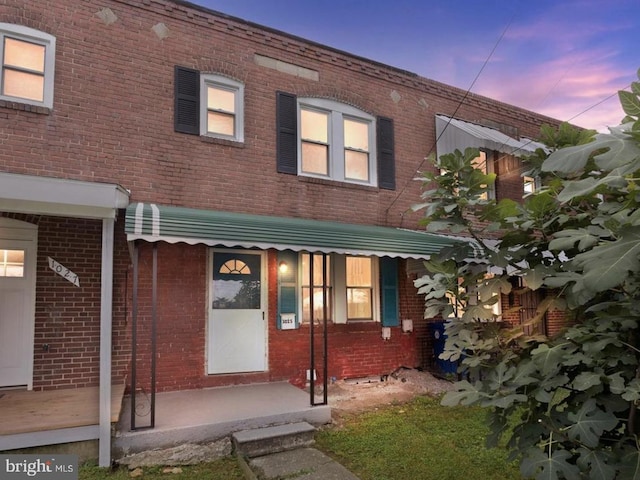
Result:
[[438, 337]]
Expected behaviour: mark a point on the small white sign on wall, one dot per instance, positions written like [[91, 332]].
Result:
[[64, 272], [288, 321]]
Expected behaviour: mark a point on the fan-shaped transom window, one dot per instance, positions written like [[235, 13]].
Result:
[[235, 266]]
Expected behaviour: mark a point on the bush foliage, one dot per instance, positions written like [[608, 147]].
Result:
[[574, 397]]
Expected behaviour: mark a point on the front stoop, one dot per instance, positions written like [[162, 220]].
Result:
[[268, 440]]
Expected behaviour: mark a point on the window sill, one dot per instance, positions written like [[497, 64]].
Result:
[[335, 183], [25, 107], [349, 327], [222, 141]]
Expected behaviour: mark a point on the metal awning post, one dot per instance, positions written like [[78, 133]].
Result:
[[134, 335], [312, 332]]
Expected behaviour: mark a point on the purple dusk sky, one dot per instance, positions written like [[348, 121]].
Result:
[[562, 58]]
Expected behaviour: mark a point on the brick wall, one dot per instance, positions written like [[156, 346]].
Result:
[[112, 118], [67, 317], [354, 350], [112, 121]]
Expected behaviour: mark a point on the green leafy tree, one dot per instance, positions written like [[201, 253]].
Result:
[[567, 404]]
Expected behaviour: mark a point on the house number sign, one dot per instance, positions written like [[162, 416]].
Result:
[[64, 272]]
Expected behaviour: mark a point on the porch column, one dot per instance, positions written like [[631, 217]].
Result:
[[106, 300]]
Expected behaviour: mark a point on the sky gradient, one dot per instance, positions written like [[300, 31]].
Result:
[[565, 59]]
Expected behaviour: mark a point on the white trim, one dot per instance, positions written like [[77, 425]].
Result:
[[48, 437], [212, 242], [224, 83], [32, 35], [60, 197], [106, 323], [155, 220], [139, 218]]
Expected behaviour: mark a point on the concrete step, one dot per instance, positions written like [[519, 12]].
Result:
[[267, 440]]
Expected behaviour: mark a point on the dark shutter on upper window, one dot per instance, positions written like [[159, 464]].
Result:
[[386, 155], [287, 133], [187, 100], [389, 291]]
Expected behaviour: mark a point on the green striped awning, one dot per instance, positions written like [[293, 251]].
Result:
[[153, 223]]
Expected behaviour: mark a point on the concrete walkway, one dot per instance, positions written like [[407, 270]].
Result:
[[301, 463]]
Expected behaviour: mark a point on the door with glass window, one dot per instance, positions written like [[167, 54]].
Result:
[[17, 293], [237, 333]]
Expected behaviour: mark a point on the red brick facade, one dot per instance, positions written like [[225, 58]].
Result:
[[113, 121]]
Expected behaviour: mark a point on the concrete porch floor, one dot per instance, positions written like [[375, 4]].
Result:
[[200, 416]]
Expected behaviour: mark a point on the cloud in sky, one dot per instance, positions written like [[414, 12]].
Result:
[[556, 58]]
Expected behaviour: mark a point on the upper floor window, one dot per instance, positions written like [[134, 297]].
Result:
[[337, 141], [484, 163], [327, 139], [28, 60], [222, 112], [530, 184], [208, 104]]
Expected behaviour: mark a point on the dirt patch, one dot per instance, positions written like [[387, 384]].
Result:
[[358, 395]]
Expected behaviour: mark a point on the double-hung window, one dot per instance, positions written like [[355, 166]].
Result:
[[209, 105], [322, 138], [222, 113], [336, 141], [359, 286], [28, 60], [344, 286]]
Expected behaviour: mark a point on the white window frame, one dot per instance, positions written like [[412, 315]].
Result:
[[337, 112], [533, 181], [338, 282], [37, 37], [219, 81]]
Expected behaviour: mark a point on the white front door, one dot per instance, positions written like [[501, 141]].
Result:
[[237, 330], [17, 303]]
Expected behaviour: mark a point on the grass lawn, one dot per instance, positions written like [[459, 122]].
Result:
[[419, 440], [225, 469]]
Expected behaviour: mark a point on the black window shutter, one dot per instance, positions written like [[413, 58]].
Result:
[[187, 100], [386, 155], [287, 133]]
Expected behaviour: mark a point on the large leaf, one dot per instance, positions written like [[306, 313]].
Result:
[[541, 466], [608, 265], [548, 358], [596, 463], [589, 423], [567, 239], [619, 149], [630, 103], [631, 465], [616, 180], [586, 380], [535, 277], [464, 393]]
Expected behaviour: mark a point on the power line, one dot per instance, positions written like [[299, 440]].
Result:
[[460, 103], [599, 103]]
